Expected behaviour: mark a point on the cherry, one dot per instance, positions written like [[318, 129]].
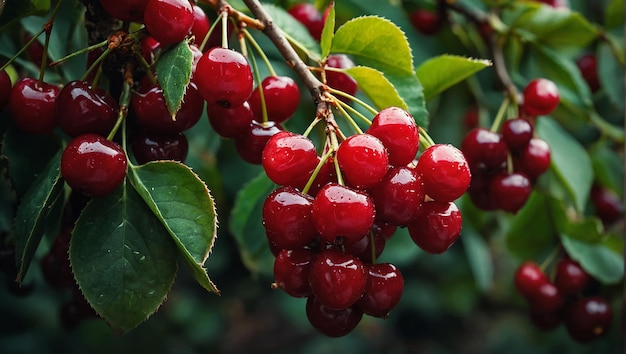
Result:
[[224, 77], [588, 318], [92, 165], [326, 174], [570, 277], [149, 48], [289, 159], [399, 196], [363, 247], [310, 17], [555, 3], [337, 279], [509, 192], [437, 226], [545, 320], [229, 122], [426, 21], [534, 160], [251, 142], [517, 133], [168, 21], [339, 211], [383, 290], [31, 105], [547, 299], [529, 277], [80, 109], [471, 117], [588, 67], [484, 150], [5, 88], [338, 80], [333, 323], [152, 113], [608, 206], [287, 218], [480, 193], [291, 271], [130, 10], [363, 160], [282, 96], [445, 172], [398, 132], [154, 147], [201, 24], [541, 97]]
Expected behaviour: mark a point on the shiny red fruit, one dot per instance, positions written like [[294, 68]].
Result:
[[168, 21], [251, 142], [291, 271], [289, 159], [398, 132], [363, 247], [201, 24], [383, 290], [588, 66], [607, 204], [510, 192], [570, 278], [534, 160], [80, 109], [547, 299], [332, 323], [229, 122], [282, 97], [517, 133], [399, 196], [224, 77], [5, 88], [484, 150], [338, 80], [437, 226], [445, 172], [129, 10], [529, 277], [310, 17], [287, 218], [31, 105], [588, 318], [363, 160], [154, 147], [541, 97], [426, 21]]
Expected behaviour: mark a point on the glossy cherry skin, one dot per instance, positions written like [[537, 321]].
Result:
[[399, 196], [529, 277], [534, 160], [607, 204], [541, 97], [588, 318], [152, 114], [224, 77], [168, 21], [337, 279], [363, 160], [287, 218], [517, 133], [31, 105], [229, 122], [289, 159], [149, 48], [340, 211], [80, 109], [484, 150], [129, 10], [480, 193], [510, 191], [5, 88], [251, 142], [92, 165], [282, 97], [547, 299], [570, 278], [426, 21], [341, 81], [154, 147], [201, 24], [310, 17], [383, 290], [291, 271], [588, 66], [363, 247], [445, 172], [332, 323], [398, 132], [437, 226]]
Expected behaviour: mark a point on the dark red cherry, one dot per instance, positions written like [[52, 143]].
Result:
[[154, 147], [437, 226], [534, 160], [251, 142], [484, 150], [291, 271], [509, 192], [168, 21], [445, 172], [570, 278], [287, 218], [229, 122], [201, 24], [399, 196], [363, 160], [31, 105], [426, 21], [338, 80], [588, 67], [326, 174], [332, 323], [149, 48], [547, 299], [541, 97], [383, 290], [363, 247], [310, 17], [80, 109], [555, 3], [398, 132], [289, 159], [607, 204], [517, 133], [588, 318], [5, 88], [282, 97], [529, 277], [479, 191], [224, 77], [130, 10]]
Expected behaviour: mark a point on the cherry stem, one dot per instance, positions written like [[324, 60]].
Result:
[[47, 28], [354, 111], [361, 102], [205, 40], [225, 29], [319, 166], [79, 52], [500, 116], [334, 146], [546, 263], [349, 118], [95, 64], [22, 50], [425, 140], [124, 103], [259, 50], [372, 246], [311, 126], [257, 77]]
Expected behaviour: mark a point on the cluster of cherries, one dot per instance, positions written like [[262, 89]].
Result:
[[505, 165], [586, 317], [330, 218]]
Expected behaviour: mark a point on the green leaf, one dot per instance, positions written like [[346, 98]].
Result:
[[15, 10], [614, 15], [610, 68], [608, 167], [247, 227], [568, 222], [184, 205], [569, 161], [596, 258], [173, 73], [123, 258], [295, 32], [328, 32], [376, 86], [531, 234], [478, 256], [31, 216], [375, 42], [410, 90], [440, 73]]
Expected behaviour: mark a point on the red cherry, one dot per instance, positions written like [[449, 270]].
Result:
[[437, 226], [534, 160], [31, 105], [541, 97], [129, 10], [555, 3], [363, 160], [92, 165], [5, 88], [282, 96], [399, 196], [547, 299], [588, 67], [337, 279], [570, 277], [291, 271], [287, 218], [426, 21], [229, 122], [201, 24], [363, 247], [509, 192], [80, 109], [168, 21], [484, 150], [289, 159], [310, 17], [383, 290], [153, 147], [608, 206], [529, 277], [224, 77], [326, 174], [333, 323], [251, 142], [588, 318], [149, 48], [479, 192], [340, 211], [398, 132], [338, 80], [517, 133], [445, 172]]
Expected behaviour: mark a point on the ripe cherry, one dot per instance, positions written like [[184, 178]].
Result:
[[92, 165], [291, 271], [5, 88], [168, 21], [229, 122], [31, 105], [251, 142], [426, 21], [287, 218], [529, 277], [224, 77], [517, 133], [80, 109], [201, 24], [130, 10], [399, 196], [534, 160], [154, 147], [398, 132], [588, 318], [340, 211], [437, 226], [310, 17], [547, 299], [484, 150], [363, 160], [383, 290], [363, 247], [570, 277], [541, 97], [289, 159], [607, 204], [555, 3], [479, 191], [150, 48], [333, 323], [282, 96], [338, 80], [337, 279], [445, 172], [588, 67], [509, 192]]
